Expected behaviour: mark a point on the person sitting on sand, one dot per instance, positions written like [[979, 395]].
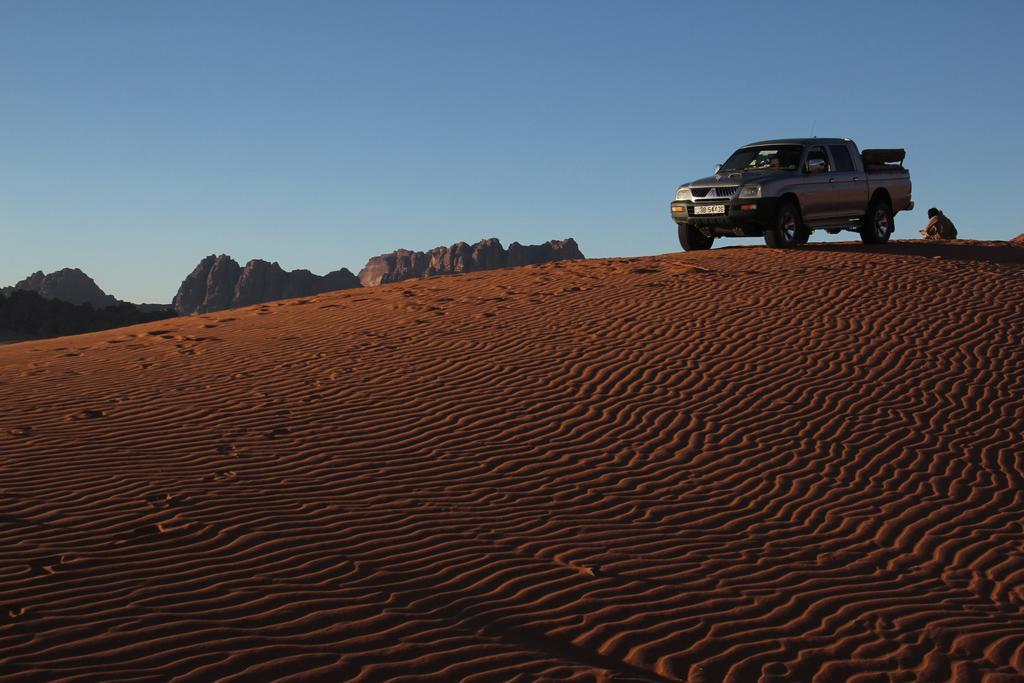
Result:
[[939, 227]]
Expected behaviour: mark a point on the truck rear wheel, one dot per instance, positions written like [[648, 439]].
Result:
[[877, 224], [788, 229], [692, 239]]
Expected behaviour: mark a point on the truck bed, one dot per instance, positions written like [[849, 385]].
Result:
[[883, 160]]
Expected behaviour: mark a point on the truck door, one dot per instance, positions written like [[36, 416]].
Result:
[[818, 192], [851, 183]]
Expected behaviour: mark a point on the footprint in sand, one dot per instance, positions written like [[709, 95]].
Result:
[[166, 500], [884, 625], [48, 565], [149, 529], [957, 577], [88, 414], [775, 671]]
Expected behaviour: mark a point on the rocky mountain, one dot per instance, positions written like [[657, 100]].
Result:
[[261, 281], [462, 258], [68, 284], [218, 282]]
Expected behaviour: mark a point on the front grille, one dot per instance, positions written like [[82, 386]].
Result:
[[714, 192]]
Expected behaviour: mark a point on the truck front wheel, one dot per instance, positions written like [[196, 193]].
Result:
[[692, 239], [788, 228], [877, 225]]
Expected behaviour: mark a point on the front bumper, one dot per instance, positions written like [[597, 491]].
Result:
[[742, 217]]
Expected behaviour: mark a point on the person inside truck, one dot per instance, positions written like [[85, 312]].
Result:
[[939, 227], [763, 158]]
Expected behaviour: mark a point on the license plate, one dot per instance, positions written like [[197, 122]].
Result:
[[709, 209]]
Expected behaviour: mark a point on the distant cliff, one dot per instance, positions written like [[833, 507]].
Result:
[[68, 284], [218, 282], [462, 258]]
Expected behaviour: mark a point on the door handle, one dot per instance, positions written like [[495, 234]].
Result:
[[831, 180], [856, 177]]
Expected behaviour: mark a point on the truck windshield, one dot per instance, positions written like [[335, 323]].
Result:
[[764, 158]]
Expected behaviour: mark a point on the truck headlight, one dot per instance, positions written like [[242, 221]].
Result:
[[750, 192], [683, 194]]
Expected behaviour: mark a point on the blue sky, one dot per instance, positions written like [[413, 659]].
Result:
[[137, 137]]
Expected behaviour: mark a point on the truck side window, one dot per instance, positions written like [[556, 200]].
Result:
[[819, 153], [841, 156]]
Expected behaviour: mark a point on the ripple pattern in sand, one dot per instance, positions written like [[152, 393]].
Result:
[[743, 465]]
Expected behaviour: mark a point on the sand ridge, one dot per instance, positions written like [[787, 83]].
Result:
[[738, 465]]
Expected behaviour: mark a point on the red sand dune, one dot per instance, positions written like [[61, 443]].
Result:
[[739, 465]]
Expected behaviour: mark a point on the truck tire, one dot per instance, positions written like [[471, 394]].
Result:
[[692, 239], [787, 230], [877, 224]]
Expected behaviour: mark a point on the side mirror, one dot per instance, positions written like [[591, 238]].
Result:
[[816, 165], [718, 167]]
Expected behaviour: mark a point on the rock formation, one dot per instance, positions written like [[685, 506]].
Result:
[[554, 250], [68, 284], [262, 281], [218, 282], [209, 287], [462, 258], [1018, 240]]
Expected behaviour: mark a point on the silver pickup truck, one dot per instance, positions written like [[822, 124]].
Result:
[[786, 189]]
